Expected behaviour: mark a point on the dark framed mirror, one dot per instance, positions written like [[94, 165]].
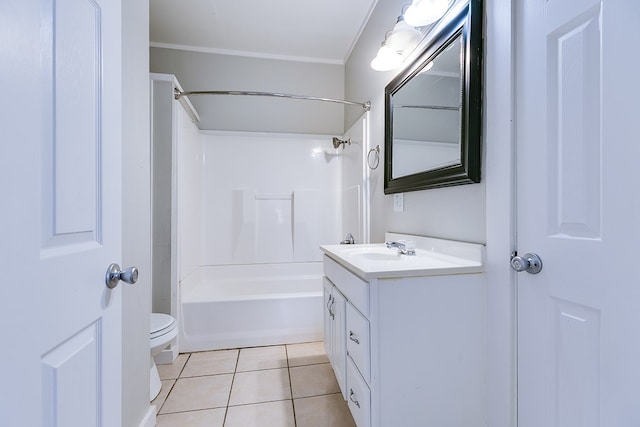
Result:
[[433, 111]]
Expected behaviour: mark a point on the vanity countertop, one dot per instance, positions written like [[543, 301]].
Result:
[[434, 257]]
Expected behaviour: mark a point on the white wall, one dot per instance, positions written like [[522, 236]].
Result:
[[208, 71], [499, 174], [136, 299], [162, 134]]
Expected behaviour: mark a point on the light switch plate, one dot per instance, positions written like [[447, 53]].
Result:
[[398, 202]]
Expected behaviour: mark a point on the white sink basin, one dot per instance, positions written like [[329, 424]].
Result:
[[372, 253], [376, 256], [433, 257]]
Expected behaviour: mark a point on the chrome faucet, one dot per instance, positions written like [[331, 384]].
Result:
[[402, 248], [349, 240]]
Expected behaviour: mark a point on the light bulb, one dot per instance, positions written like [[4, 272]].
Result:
[[386, 59], [403, 36], [425, 12]]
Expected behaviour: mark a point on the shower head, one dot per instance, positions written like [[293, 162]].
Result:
[[337, 142]]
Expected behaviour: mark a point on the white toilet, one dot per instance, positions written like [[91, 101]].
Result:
[[164, 330]]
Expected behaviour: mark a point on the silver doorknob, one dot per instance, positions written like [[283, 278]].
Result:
[[114, 275], [531, 263]]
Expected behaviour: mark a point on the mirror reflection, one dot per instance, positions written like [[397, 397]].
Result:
[[433, 110], [426, 115]]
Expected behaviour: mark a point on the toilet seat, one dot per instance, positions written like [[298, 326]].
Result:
[[161, 324], [163, 332]]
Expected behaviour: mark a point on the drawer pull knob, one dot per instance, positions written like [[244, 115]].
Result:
[[351, 398], [352, 338]]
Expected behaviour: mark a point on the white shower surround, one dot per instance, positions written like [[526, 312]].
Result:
[[253, 210], [268, 198]]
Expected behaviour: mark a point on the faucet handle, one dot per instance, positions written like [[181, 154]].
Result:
[[410, 247]]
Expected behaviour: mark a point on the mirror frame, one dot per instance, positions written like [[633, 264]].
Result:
[[468, 23]]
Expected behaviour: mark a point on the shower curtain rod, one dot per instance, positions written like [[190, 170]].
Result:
[[179, 94], [428, 107]]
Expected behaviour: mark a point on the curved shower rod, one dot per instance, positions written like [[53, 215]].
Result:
[[178, 94]]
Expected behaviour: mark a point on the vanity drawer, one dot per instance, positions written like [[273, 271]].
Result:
[[358, 341], [358, 396], [352, 287]]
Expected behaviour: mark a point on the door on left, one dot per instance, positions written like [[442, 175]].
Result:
[[61, 121]]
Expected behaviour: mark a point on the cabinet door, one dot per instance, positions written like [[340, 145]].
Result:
[[327, 288], [340, 339]]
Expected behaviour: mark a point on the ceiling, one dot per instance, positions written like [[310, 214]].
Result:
[[306, 30]]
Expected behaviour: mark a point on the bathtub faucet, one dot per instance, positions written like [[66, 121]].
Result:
[[402, 247]]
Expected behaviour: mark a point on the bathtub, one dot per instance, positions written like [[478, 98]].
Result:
[[235, 306]]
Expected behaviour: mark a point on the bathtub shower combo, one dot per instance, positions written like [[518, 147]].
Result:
[[249, 267]]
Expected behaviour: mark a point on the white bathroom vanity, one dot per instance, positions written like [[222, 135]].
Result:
[[405, 334]]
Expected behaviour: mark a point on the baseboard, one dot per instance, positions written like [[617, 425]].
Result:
[[167, 356], [149, 419]]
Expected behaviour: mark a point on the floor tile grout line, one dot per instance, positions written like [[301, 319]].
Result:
[[167, 396], [188, 411], [260, 370], [258, 403], [293, 405], [316, 395], [236, 372], [184, 366], [233, 378], [175, 381]]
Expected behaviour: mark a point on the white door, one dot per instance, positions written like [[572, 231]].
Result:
[[577, 106], [61, 126]]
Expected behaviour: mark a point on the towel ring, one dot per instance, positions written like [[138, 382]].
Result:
[[376, 158]]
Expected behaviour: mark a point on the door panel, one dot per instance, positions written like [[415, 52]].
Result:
[[80, 341], [577, 362], [61, 221], [573, 136], [576, 155], [69, 395], [76, 57]]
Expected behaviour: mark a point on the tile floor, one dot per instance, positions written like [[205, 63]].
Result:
[[289, 385]]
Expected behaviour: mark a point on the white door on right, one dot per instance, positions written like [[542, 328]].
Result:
[[578, 153]]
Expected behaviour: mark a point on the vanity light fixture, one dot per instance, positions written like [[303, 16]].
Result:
[[406, 33], [425, 12], [387, 59], [403, 36]]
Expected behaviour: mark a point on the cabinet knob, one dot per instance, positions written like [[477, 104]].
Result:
[[353, 338]]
